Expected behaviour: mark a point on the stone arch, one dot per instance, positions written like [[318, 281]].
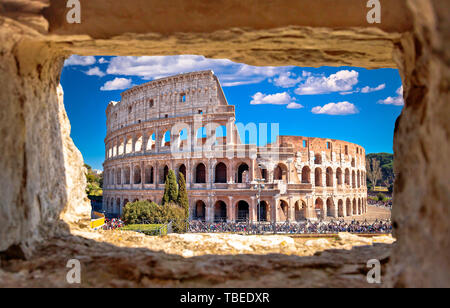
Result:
[[151, 142], [200, 173], [355, 209], [360, 212], [119, 176], [200, 210], [163, 174], [347, 176], [165, 139], [348, 207], [341, 208], [220, 211], [129, 145], [138, 143], [280, 172], [318, 159], [117, 206], [126, 175], [353, 179], [121, 148], [358, 177], [319, 208], [242, 172], [339, 176], [149, 175], [353, 162], [284, 209], [221, 135], [220, 173], [264, 211], [300, 210], [318, 177], [182, 170], [306, 175], [137, 175], [242, 210], [330, 206], [329, 177]]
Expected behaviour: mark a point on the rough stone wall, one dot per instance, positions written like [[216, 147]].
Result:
[[421, 194]]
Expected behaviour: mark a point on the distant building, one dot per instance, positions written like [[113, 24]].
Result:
[[156, 127]]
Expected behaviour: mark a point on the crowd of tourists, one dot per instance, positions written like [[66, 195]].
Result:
[[384, 204], [113, 224], [308, 227]]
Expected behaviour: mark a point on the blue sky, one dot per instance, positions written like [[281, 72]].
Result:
[[346, 103]]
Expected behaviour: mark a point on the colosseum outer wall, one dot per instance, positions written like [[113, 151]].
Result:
[[184, 123]]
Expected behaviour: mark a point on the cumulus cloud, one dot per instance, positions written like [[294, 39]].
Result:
[[117, 84], [342, 108], [295, 106], [102, 60], [272, 99], [95, 71], [154, 67], [79, 60], [286, 80], [342, 81], [395, 101], [370, 90]]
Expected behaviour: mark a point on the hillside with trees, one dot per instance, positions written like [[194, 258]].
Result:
[[380, 169]]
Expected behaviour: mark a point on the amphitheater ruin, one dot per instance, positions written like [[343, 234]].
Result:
[[184, 123]]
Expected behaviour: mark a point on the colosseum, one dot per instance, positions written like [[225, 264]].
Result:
[[184, 123]]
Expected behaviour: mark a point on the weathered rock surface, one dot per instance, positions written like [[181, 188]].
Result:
[[41, 167]]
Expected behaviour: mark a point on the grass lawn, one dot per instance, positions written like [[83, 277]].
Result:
[[148, 229]]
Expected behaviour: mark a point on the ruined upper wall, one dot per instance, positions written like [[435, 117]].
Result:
[[174, 96]]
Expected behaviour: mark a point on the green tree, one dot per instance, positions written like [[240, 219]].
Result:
[[171, 189], [182, 199], [373, 171]]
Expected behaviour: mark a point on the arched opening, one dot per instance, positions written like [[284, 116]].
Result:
[[163, 174], [113, 177], [149, 175], [220, 211], [284, 208], [116, 209], [348, 207], [347, 177], [182, 170], [319, 208], [300, 210], [353, 179], [330, 205], [200, 173], [359, 207], [221, 135], [200, 210], [353, 163], [119, 176], [243, 176], [221, 173], [355, 209], [329, 177], [138, 144], [358, 176], [121, 147], [280, 173], [126, 175], [129, 145], [318, 177], [151, 142], [341, 208], [242, 211], [165, 142], [306, 175], [339, 176], [263, 210], [137, 175]]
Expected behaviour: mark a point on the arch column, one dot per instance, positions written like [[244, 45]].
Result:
[[253, 210], [291, 209], [230, 209], [274, 209]]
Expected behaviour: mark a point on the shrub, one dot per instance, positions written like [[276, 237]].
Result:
[[176, 215], [182, 199], [381, 197], [171, 188]]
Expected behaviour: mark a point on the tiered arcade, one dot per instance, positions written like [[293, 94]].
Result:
[[184, 123]]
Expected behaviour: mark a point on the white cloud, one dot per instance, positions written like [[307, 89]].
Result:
[[95, 71], [370, 90], [229, 73], [395, 101], [79, 60], [342, 81], [272, 99], [294, 106], [102, 60], [286, 80], [117, 84], [342, 108]]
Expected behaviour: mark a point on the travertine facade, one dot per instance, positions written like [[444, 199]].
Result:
[[184, 123]]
